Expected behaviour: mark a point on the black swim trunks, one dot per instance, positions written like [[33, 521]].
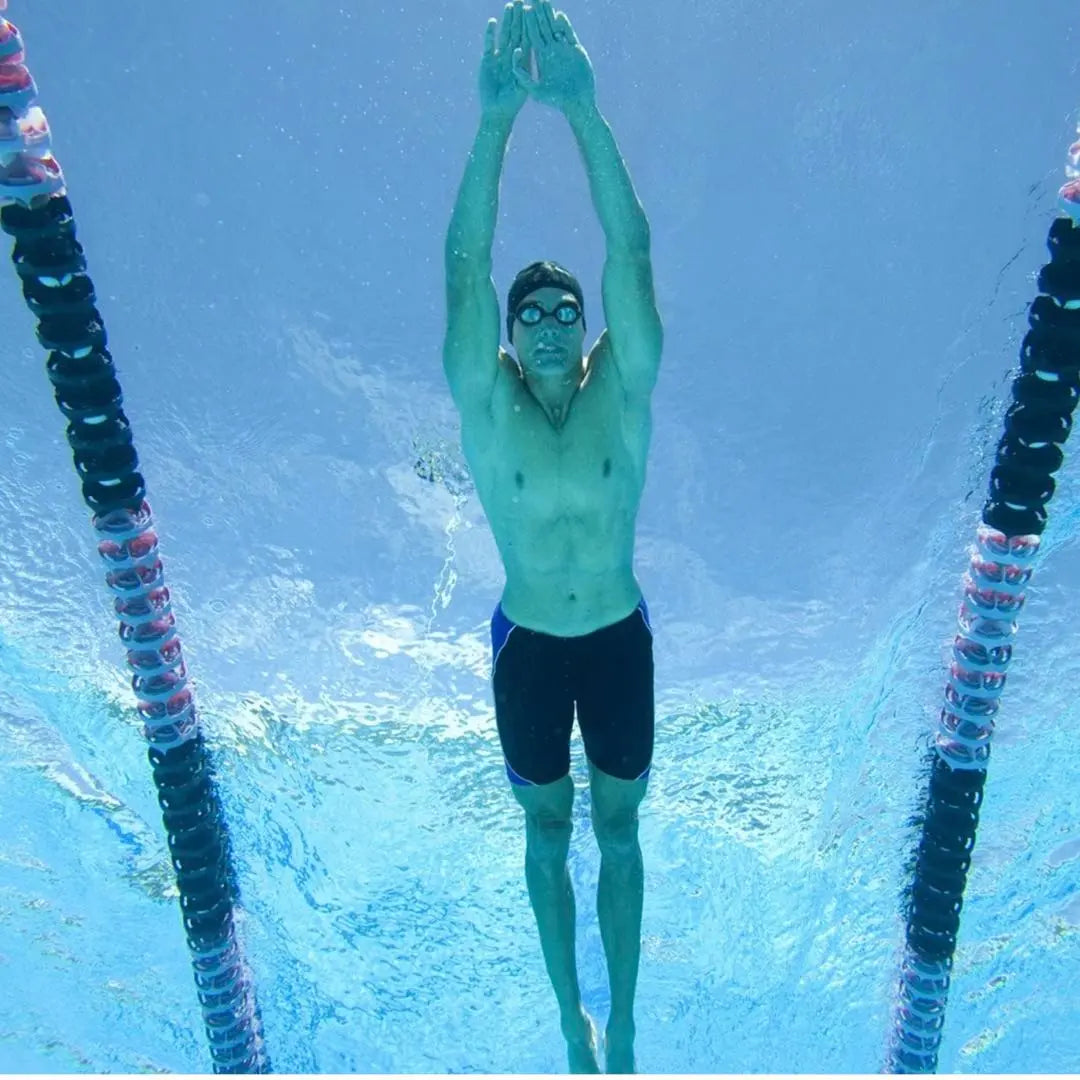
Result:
[[538, 678]]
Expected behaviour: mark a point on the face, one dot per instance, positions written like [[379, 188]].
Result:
[[548, 347]]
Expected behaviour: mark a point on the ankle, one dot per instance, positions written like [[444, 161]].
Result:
[[575, 1024]]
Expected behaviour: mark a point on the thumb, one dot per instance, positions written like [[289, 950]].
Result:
[[521, 68]]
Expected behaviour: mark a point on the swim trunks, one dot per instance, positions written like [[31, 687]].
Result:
[[538, 679]]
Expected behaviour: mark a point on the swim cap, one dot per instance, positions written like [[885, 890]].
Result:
[[540, 275]]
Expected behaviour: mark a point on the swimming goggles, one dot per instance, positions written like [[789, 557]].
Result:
[[566, 313]]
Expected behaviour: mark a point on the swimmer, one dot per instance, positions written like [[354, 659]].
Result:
[[557, 440]]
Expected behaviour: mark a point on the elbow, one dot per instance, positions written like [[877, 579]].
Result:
[[463, 261], [633, 240]]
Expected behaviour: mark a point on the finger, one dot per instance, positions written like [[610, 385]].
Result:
[[489, 37], [521, 69], [507, 25], [517, 29], [562, 26], [547, 19], [538, 34]]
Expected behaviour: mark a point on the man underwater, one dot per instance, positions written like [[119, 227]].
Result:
[[557, 441]]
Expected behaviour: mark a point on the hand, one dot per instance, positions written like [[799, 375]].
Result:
[[566, 75], [501, 92]]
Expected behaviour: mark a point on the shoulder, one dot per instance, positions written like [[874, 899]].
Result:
[[606, 365], [506, 386], [508, 365], [599, 362]]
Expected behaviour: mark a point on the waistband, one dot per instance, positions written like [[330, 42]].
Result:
[[502, 625]]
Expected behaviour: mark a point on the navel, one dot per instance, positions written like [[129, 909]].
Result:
[[607, 467], [519, 479]]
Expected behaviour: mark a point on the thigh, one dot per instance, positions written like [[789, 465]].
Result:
[[614, 691], [534, 705]]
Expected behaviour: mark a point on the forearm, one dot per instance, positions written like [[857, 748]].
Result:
[[621, 215], [472, 224]]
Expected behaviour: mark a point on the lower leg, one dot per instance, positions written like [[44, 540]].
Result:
[[552, 897], [619, 905]]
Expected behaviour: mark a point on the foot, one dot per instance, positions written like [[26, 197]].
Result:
[[619, 1051], [580, 1035]]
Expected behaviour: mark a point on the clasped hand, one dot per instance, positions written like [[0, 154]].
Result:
[[564, 74]]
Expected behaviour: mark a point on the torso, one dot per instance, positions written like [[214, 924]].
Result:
[[562, 501]]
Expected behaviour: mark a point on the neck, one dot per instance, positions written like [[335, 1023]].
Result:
[[555, 392]]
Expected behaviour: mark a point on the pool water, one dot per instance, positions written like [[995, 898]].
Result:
[[842, 310]]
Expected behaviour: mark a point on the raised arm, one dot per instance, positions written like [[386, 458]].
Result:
[[566, 82], [471, 346]]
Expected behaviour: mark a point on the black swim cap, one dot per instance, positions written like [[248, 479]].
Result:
[[540, 275]]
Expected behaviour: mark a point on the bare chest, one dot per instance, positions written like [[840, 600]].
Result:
[[532, 474]]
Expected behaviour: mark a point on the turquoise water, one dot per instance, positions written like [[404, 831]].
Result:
[[262, 194], [386, 916]]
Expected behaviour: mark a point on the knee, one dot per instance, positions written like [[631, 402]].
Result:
[[617, 835], [547, 839]]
